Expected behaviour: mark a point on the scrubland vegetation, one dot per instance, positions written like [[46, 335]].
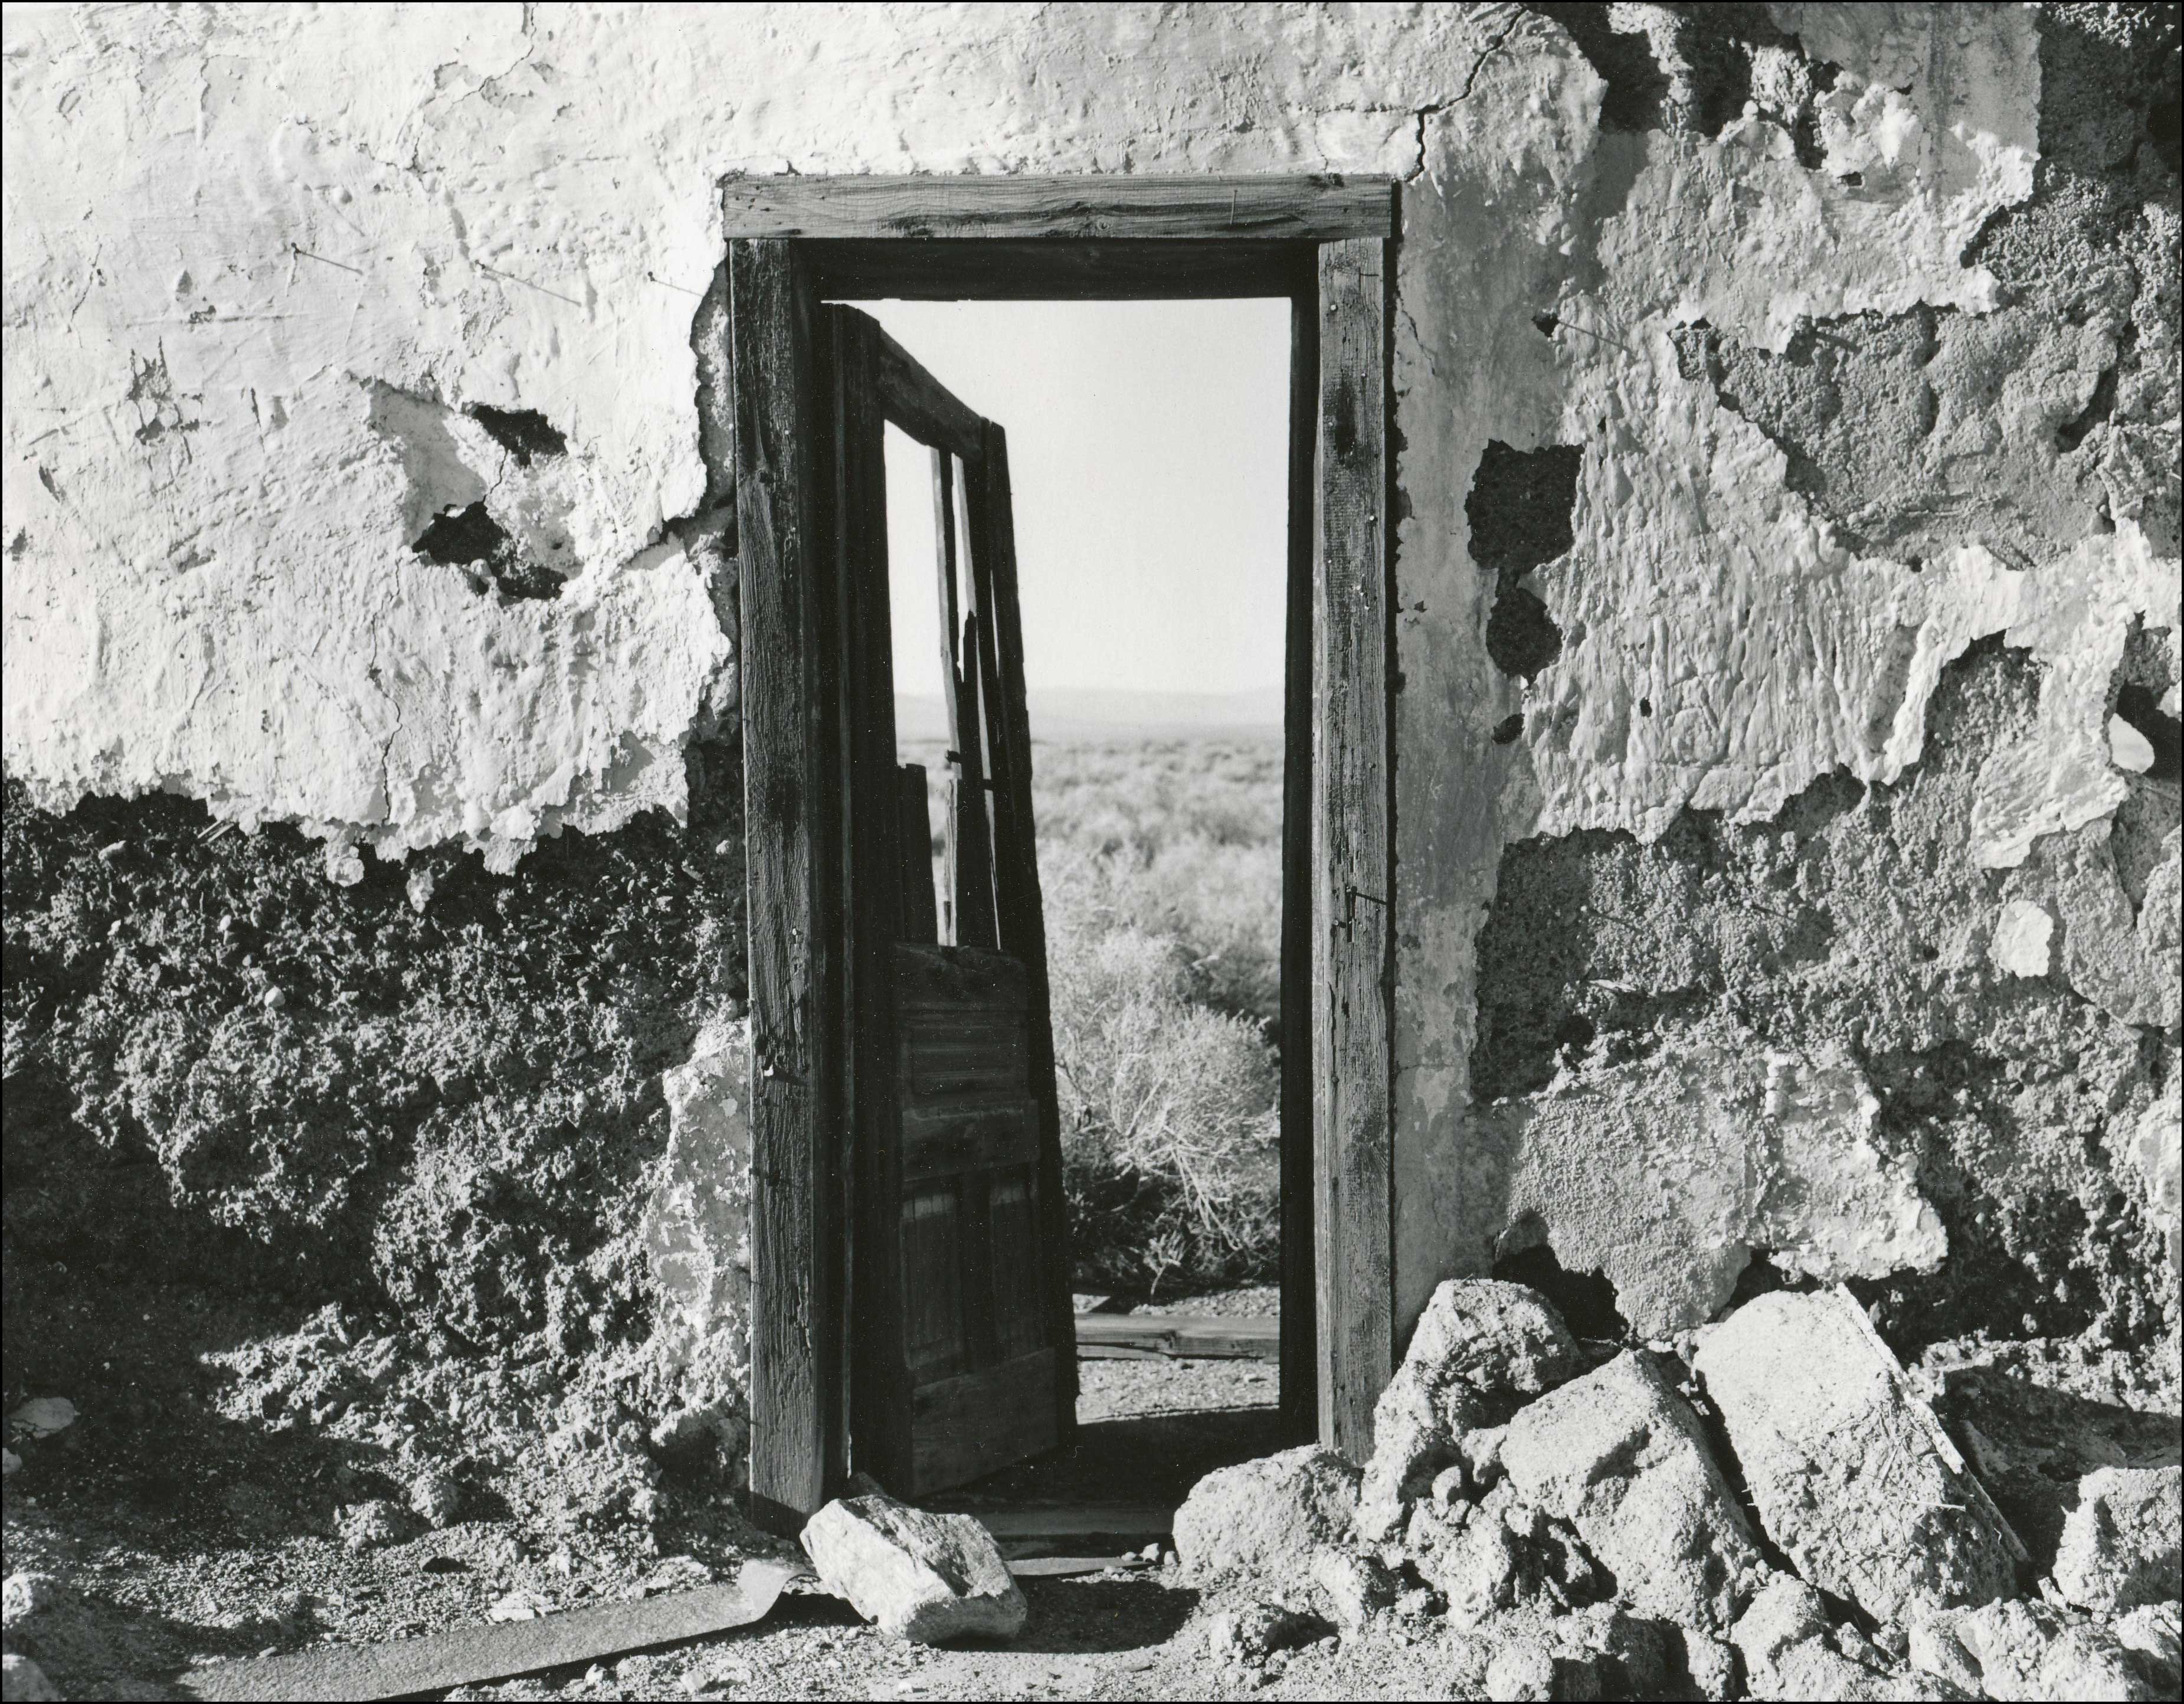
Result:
[[1160, 863]]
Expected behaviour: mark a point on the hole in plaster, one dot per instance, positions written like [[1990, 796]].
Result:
[[1586, 1301], [470, 537], [523, 432], [1521, 636], [1547, 325], [1645, 708], [2136, 705], [2098, 407], [1507, 729], [1519, 511]]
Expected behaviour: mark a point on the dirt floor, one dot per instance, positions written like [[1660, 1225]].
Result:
[[178, 1536]]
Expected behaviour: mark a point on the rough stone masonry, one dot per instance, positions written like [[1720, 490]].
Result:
[[1787, 773], [1774, 1512]]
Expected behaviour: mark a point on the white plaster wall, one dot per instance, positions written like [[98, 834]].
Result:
[[228, 230]]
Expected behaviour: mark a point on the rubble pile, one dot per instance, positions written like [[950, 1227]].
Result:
[[1774, 1512]]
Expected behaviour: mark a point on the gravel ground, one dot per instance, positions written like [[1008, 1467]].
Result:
[[209, 1550]]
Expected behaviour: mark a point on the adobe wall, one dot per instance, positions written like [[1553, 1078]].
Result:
[[1786, 788]]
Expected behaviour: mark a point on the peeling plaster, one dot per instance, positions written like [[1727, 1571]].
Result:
[[306, 282]]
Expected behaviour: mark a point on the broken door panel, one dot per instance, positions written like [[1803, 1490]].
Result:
[[962, 1339]]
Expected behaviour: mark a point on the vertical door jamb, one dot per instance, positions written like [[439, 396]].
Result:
[[1352, 862], [794, 913], [1299, 1336]]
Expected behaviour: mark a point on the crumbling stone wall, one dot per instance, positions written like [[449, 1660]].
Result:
[[1786, 543], [1907, 1018], [461, 1110]]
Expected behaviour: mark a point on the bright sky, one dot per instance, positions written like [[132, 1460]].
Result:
[[1148, 447]]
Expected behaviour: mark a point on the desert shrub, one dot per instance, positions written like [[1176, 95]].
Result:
[[1163, 956], [1160, 860]]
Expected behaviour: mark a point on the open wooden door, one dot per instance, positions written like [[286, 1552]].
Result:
[[960, 1348]]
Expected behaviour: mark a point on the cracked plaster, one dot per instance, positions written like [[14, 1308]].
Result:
[[517, 209]]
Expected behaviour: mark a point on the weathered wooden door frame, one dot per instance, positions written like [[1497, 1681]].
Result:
[[1325, 245]]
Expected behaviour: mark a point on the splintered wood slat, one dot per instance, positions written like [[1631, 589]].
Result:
[[934, 1343], [1019, 1309], [974, 836], [1352, 905], [1299, 1339], [793, 905], [921, 917], [1020, 909], [1128, 208]]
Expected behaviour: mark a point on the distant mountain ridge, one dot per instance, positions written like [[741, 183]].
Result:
[[1092, 712]]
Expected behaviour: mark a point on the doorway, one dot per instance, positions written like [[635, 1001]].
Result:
[[1320, 245], [1148, 448]]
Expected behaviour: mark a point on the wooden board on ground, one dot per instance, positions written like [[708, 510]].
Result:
[[1179, 1337], [1025, 1530], [403, 1668]]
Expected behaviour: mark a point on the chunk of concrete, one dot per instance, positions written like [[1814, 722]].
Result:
[[2023, 1650], [2154, 1637], [1850, 1472], [1621, 1457], [1475, 1569], [1786, 1613], [1251, 1632], [1415, 1428], [1527, 1672], [918, 1576], [1351, 1589], [1481, 1347], [1265, 1519], [1494, 1339], [2123, 1545], [1816, 1668], [373, 1524], [1709, 1664]]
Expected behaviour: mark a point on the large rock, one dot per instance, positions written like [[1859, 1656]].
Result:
[[1263, 1520], [2023, 1650], [2154, 1636], [2123, 1545], [1415, 1429], [1481, 1347], [922, 1577], [1621, 1457], [1852, 1473], [1820, 1668], [1495, 1339]]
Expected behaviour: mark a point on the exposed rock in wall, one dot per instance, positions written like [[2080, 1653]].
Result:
[[489, 1121], [1794, 1039]]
